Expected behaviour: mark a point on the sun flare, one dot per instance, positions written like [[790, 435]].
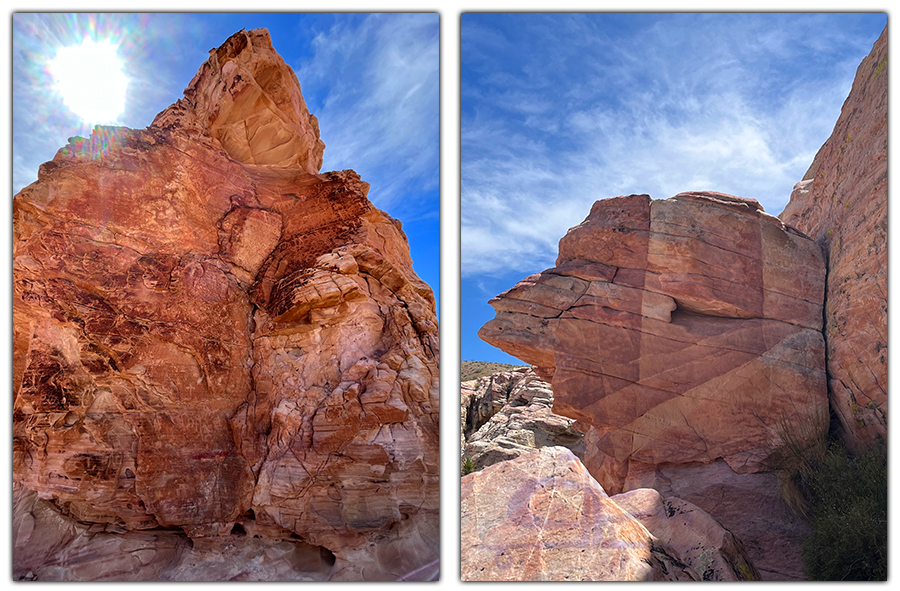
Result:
[[91, 81]]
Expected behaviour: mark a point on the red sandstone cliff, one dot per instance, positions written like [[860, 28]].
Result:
[[682, 334], [842, 203], [212, 338]]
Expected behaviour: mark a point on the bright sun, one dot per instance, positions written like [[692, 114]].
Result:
[[91, 81]]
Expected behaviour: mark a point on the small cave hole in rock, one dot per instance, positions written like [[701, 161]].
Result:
[[238, 530], [327, 556]]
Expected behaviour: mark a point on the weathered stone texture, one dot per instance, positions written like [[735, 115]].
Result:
[[695, 343], [542, 517], [525, 420], [682, 332], [209, 336], [842, 203], [690, 535]]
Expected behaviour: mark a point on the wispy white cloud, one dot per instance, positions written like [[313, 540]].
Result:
[[738, 105], [380, 115]]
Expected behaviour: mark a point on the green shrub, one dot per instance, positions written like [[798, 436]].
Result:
[[847, 499], [843, 497], [468, 466]]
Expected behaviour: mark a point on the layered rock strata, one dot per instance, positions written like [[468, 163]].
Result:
[[525, 422], [842, 203], [482, 398], [212, 338], [541, 516], [678, 332]]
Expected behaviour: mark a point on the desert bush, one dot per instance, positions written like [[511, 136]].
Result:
[[848, 512], [843, 497]]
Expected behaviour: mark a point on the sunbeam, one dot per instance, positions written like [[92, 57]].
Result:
[[91, 80]]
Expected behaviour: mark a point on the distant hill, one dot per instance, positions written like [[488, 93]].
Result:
[[470, 370]]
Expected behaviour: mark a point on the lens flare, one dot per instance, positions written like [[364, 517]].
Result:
[[91, 81]]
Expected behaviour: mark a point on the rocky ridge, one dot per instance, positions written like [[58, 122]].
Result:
[[211, 339], [510, 413]]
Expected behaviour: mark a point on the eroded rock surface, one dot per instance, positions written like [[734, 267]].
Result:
[[482, 398], [748, 505], [542, 517], [842, 203], [690, 535], [526, 421], [681, 330], [208, 335], [678, 332], [248, 100]]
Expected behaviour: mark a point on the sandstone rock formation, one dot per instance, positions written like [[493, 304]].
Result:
[[482, 398], [680, 332], [52, 546], [541, 516], [690, 535], [211, 339], [842, 203], [524, 423]]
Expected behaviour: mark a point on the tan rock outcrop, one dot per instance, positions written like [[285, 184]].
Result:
[[248, 100], [677, 332], [208, 335], [482, 398], [542, 517], [525, 422], [842, 203]]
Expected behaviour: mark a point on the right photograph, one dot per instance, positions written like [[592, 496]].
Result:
[[673, 296]]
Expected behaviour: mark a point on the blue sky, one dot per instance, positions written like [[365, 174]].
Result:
[[372, 81], [560, 110]]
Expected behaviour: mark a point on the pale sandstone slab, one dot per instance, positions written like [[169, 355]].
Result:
[[541, 517]]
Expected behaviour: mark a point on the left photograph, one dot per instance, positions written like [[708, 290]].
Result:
[[225, 361]]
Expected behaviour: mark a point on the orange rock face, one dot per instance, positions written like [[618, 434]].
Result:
[[679, 333], [842, 203], [676, 331], [208, 334]]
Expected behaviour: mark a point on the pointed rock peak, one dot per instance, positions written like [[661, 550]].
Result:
[[248, 99]]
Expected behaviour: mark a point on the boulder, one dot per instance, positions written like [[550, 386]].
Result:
[[690, 535], [542, 517], [697, 340], [748, 505], [209, 335], [684, 331], [842, 203]]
